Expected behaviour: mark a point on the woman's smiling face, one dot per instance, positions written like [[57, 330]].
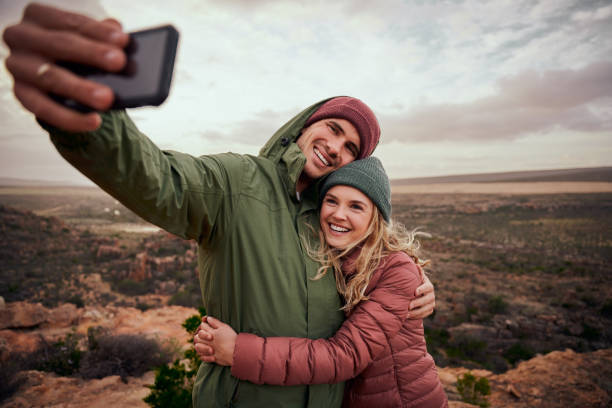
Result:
[[345, 216]]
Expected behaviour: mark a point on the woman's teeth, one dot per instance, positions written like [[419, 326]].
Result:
[[338, 228]]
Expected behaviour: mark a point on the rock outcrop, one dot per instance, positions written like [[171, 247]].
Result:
[[558, 379], [19, 315], [23, 323], [48, 390], [109, 252], [555, 380]]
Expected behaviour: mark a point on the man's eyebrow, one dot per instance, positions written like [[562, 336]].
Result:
[[336, 126]]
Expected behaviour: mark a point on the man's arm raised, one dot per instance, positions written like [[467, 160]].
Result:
[[180, 193]]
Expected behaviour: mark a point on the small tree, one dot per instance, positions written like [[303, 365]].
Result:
[[174, 384], [474, 390], [62, 357]]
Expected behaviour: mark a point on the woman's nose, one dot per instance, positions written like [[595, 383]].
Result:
[[340, 213]]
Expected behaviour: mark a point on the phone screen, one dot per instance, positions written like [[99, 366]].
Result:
[[146, 78]]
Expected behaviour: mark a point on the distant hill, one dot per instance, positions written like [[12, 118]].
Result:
[[19, 182], [601, 174]]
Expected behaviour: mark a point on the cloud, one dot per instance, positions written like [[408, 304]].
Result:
[[430, 70], [253, 132], [525, 103], [601, 13], [559, 89]]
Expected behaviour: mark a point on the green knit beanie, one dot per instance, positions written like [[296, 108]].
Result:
[[368, 176]]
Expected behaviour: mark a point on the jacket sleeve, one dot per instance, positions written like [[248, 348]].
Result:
[[180, 193], [362, 337]]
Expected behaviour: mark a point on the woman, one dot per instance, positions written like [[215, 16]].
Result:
[[377, 271]]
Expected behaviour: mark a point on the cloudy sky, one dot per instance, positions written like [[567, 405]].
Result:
[[458, 86]]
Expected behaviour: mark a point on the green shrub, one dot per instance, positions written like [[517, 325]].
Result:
[[497, 305], [437, 341], [174, 383], [606, 309], [143, 307], [589, 332], [62, 357], [132, 287], [10, 381], [76, 300], [474, 390], [518, 352], [468, 348], [124, 355], [187, 298], [436, 337], [470, 311]]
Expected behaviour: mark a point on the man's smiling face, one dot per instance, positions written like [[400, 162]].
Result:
[[328, 145]]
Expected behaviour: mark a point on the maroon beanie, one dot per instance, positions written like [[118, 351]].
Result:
[[356, 112]]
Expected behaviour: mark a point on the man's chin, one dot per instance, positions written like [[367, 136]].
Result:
[[317, 173]]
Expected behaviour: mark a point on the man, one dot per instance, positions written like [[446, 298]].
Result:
[[247, 213]]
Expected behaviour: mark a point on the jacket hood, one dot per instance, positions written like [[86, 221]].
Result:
[[282, 149]]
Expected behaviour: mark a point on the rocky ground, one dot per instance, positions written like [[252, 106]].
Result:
[[518, 278], [22, 323], [514, 275], [48, 390], [558, 379]]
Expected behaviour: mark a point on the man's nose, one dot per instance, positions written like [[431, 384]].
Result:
[[333, 148]]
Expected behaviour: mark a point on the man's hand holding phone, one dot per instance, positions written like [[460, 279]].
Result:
[[46, 35], [66, 64]]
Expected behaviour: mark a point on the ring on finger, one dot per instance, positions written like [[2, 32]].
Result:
[[42, 69]]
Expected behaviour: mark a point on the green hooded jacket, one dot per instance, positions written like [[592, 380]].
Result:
[[243, 212]]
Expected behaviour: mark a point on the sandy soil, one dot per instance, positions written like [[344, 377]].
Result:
[[557, 187]]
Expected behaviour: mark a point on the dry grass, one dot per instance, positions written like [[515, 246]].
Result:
[[556, 187]]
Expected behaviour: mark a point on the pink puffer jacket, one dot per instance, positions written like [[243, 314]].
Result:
[[383, 352]]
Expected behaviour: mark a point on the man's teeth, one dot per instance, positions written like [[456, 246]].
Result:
[[338, 228], [320, 156]]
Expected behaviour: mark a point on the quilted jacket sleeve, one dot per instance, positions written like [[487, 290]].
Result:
[[362, 337], [180, 193]]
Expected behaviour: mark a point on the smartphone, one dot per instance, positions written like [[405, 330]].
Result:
[[146, 78]]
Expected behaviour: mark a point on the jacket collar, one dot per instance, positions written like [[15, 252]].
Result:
[[348, 264]]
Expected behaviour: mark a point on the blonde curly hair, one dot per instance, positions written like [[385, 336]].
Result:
[[381, 239]]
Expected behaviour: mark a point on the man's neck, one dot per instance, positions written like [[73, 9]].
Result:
[[302, 183]]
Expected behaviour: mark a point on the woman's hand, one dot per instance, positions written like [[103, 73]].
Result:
[[424, 303], [215, 341], [46, 35]]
